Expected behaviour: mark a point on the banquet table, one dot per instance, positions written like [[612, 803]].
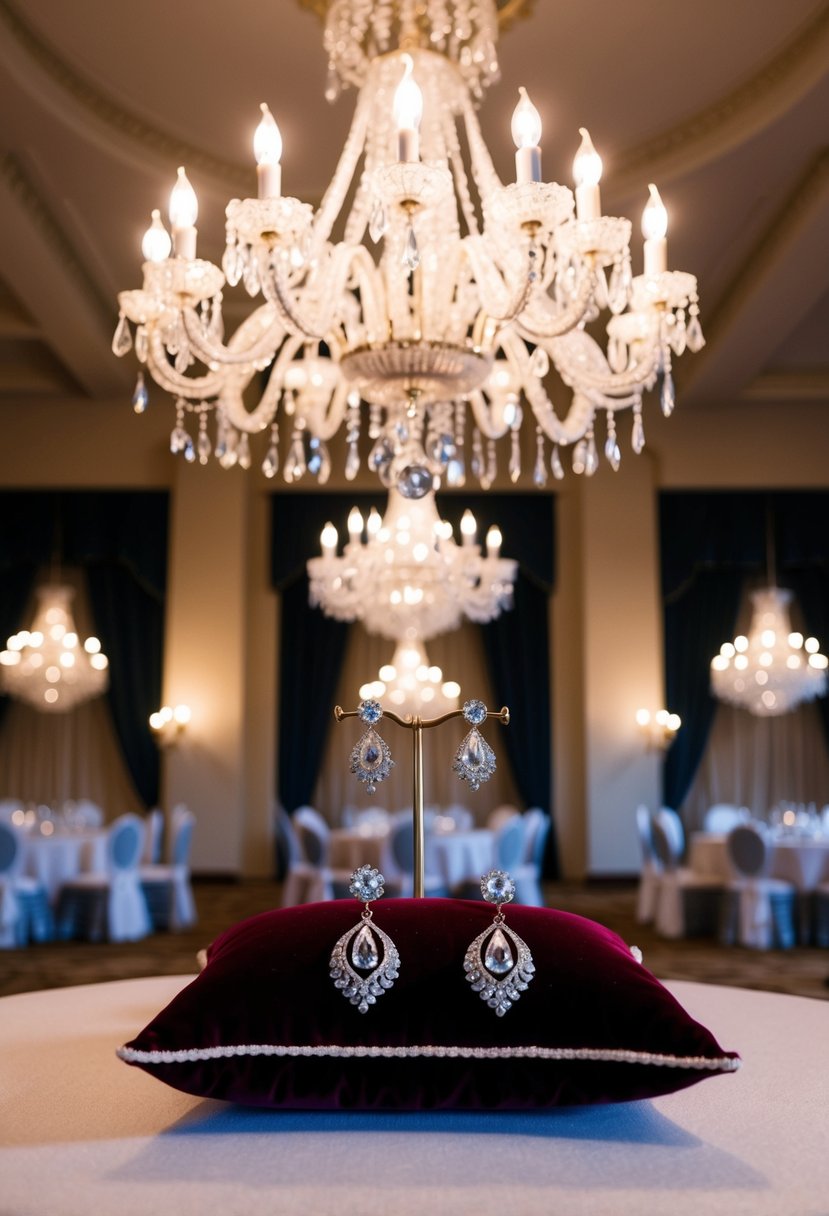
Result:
[[456, 856], [801, 860], [353, 847], [55, 859], [81, 1132]]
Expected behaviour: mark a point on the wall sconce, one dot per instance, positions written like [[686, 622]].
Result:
[[169, 723], [658, 729]]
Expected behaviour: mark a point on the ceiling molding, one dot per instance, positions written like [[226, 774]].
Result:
[[788, 386], [733, 119]]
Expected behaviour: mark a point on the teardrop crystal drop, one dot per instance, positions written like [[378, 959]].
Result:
[[667, 399], [591, 458], [142, 344], [232, 264], [189, 450], [271, 462], [540, 471], [203, 447], [352, 461], [411, 253], [637, 435], [694, 338], [556, 467], [178, 439], [600, 290], [140, 396], [122, 338], [364, 952], [540, 362], [243, 451], [498, 958], [371, 750], [295, 462], [377, 224], [612, 453], [617, 288], [579, 458]]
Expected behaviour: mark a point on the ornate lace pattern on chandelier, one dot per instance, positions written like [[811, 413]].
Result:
[[443, 334]]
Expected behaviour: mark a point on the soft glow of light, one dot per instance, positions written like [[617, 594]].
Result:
[[182, 714], [812, 645], [184, 205], [267, 140], [156, 243], [796, 640], [741, 642], [375, 522], [92, 645], [355, 523], [727, 650], [329, 538], [741, 662], [469, 526], [494, 540], [99, 661], [654, 216], [526, 122], [408, 99], [767, 637], [587, 165], [643, 717]]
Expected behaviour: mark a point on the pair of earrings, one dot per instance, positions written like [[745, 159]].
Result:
[[365, 961], [371, 760]]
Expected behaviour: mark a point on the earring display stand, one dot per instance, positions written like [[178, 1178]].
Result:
[[417, 725]]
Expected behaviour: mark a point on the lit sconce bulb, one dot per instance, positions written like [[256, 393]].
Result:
[[156, 244], [408, 111], [267, 148], [643, 717], [355, 523], [184, 211], [182, 715], [468, 527], [526, 135], [654, 229], [493, 541], [587, 171], [328, 540]]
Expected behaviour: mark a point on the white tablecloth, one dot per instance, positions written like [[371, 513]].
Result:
[[351, 848], [456, 856], [54, 860], [799, 860], [82, 1132]]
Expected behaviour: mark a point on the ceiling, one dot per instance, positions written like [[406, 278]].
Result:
[[724, 106]]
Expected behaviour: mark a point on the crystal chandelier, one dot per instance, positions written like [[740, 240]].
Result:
[[411, 685], [452, 304], [403, 575], [773, 670], [46, 665]]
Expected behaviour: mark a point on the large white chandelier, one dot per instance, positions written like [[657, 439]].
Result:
[[410, 684], [46, 665], [422, 285], [403, 575], [772, 670]]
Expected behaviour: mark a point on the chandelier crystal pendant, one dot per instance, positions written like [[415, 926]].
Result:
[[772, 670], [403, 575], [47, 666], [422, 285], [411, 684]]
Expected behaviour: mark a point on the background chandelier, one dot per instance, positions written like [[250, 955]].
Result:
[[46, 665], [446, 300], [772, 670], [411, 685], [403, 575]]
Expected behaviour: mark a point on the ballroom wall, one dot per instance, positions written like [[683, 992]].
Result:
[[222, 620]]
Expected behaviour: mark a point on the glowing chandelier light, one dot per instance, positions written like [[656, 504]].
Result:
[[772, 670], [411, 685], [403, 575], [47, 666], [450, 303]]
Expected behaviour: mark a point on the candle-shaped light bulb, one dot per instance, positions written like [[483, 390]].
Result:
[[184, 210], [408, 111], [469, 527], [587, 171], [156, 244], [526, 134], [374, 522], [267, 148], [654, 228], [493, 541], [328, 540], [355, 523]]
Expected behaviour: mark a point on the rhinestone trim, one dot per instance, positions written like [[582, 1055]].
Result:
[[132, 1055]]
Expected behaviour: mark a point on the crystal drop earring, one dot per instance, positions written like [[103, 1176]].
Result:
[[371, 760], [364, 963], [498, 964], [474, 760]]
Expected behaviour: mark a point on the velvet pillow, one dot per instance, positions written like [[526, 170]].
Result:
[[263, 1024]]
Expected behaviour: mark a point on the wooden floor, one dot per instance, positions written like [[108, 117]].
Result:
[[803, 972]]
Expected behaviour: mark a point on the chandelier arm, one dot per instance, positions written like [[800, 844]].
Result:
[[329, 288], [334, 197], [496, 303], [231, 399], [372, 293], [483, 170], [192, 387], [261, 347], [541, 320], [450, 135], [579, 417], [638, 376], [325, 421]]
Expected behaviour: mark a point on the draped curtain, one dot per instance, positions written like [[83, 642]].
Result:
[[119, 539], [712, 546], [516, 645]]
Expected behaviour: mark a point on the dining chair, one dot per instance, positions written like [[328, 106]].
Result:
[[25, 914], [312, 878], [398, 864], [497, 818], [687, 903], [671, 824], [527, 874], [153, 837], [650, 873], [167, 888], [820, 918], [109, 906], [757, 911]]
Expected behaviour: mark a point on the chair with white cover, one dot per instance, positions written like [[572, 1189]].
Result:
[[720, 818], [109, 906], [508, 848], [757, 911], [672, 827], [398, 863], [25, 914], [153, 837], [650, 874], [167, 888], [687, 903], [527, 874], [820, 917], [312, 878], [497, 818], [300, 879]]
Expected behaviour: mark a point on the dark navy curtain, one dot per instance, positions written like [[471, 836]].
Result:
[[119, 538], [712, 546]]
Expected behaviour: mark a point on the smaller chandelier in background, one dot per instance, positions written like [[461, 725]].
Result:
[[46, 665], [773, 669], [403, 575], [411, 685], [169, 723], [658, 729]]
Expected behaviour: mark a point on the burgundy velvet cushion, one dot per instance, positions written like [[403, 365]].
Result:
[[593, 1026]]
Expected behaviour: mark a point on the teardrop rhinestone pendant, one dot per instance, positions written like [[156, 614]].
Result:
[[371, 760], [364, 963], [474, 760], [498, 964]]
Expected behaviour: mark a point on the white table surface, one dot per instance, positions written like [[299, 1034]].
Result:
[[803, 861], [54, 860], [456, 856], [83, 1133]]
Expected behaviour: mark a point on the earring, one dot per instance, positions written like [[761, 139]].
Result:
[[498, 964], [474, 760], [364, 948], [371, 760]]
